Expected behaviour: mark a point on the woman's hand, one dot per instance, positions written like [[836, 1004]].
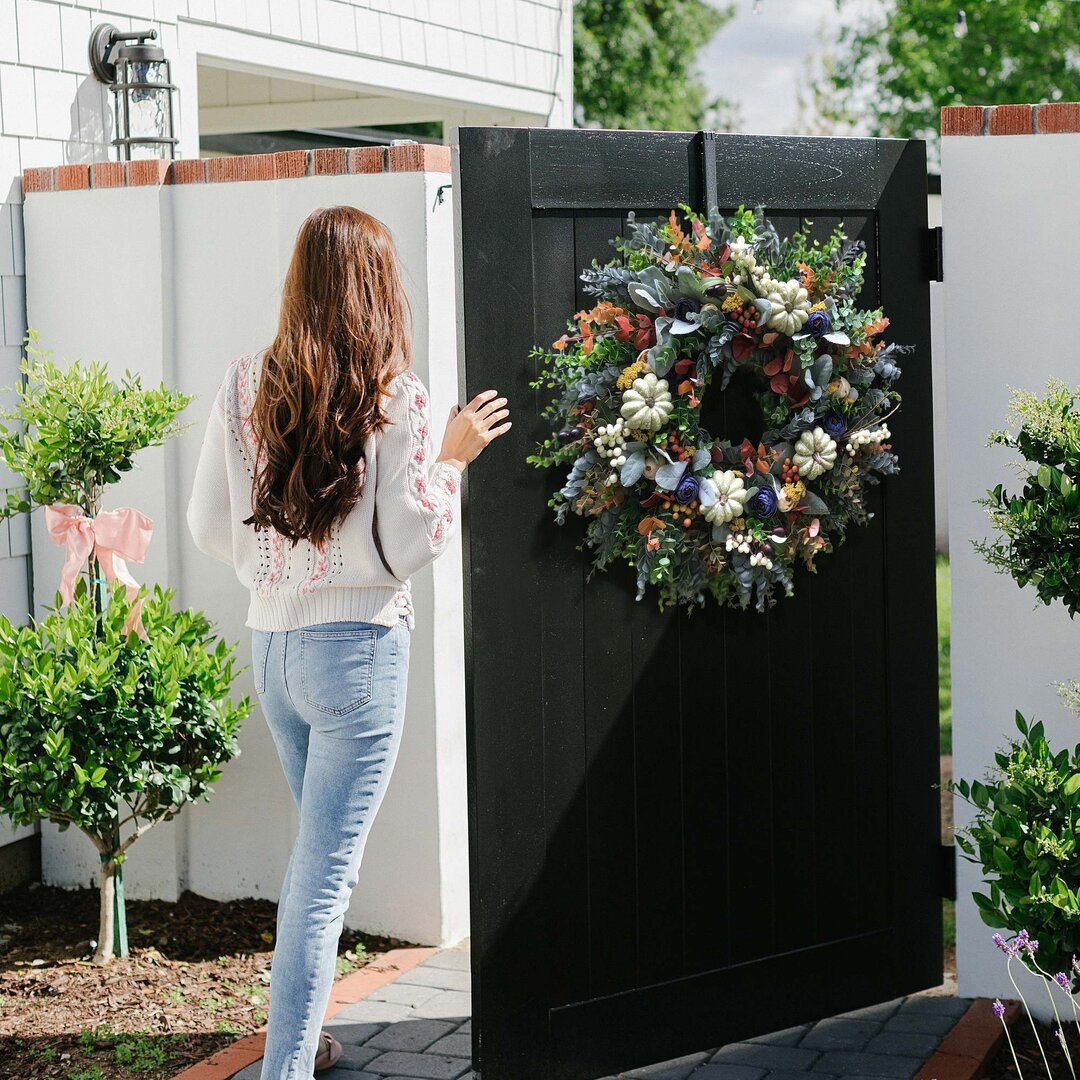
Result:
[[469, 430]]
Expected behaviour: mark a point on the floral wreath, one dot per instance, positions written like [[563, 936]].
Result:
[[694, 299]]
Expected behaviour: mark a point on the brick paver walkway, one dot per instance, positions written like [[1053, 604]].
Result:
[[418, 1028]]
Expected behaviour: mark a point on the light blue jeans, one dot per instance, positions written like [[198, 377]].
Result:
[[334, 699]]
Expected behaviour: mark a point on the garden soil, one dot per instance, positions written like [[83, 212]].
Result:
[[195, 980]]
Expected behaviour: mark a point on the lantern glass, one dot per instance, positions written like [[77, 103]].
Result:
[[143, 94]]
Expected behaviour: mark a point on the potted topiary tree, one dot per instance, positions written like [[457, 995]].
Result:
[[114, 707]]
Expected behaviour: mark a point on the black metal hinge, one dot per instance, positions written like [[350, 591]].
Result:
[[936, 254], [947, 870]]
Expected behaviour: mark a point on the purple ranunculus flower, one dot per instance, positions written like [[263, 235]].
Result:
[[817, 323], [763, 504], [686, 306], [834, 425], [687, 489]]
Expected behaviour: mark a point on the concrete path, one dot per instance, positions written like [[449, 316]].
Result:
[[418, 1028]]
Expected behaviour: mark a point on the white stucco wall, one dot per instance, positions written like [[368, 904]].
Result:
[[1007, 200], [202, 286]]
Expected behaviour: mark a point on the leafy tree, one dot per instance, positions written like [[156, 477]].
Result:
[[897, 64], [636, 63]]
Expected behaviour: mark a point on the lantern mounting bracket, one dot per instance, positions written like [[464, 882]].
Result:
[[106, 40]]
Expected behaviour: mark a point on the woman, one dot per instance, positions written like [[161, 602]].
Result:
[[317, 482]]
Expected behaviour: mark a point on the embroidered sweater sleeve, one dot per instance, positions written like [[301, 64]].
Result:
[[416, 496], [209, 512]]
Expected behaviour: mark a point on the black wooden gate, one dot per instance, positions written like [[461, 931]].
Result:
[[687, 830]]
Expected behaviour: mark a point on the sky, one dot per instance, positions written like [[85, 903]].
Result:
[[757, 59]]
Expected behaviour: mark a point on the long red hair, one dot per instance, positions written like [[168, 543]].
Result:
[[343, 334]]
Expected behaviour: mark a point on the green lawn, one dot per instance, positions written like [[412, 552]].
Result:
[[944, 605]]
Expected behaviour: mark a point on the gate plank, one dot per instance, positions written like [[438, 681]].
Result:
[[563, 687], [607, 657]]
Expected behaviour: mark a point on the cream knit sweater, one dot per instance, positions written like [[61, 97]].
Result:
[[403, 520]]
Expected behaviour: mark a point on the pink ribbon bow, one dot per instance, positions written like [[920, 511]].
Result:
[[114, 535]]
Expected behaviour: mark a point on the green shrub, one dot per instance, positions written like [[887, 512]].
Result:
[[91, 716], [1024, 836], [1039, 528]]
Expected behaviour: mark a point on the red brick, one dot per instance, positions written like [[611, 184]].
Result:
[[241, 167], [38, 180], [419, 157], [72, 177], [188, 171], [328, 161], [437, 159], [107, 174], [289, 164], [962, 119], [948, 1067], [1011, 120], [1055, 117], [977, 1029], [367, 159], [964, 1052], [347, 991], [147, 172], [408, 157]]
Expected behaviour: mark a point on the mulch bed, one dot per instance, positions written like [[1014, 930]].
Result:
[[196, 979], [1002, 1066]]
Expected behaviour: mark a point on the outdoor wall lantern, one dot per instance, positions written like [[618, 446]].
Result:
[[140, 79]]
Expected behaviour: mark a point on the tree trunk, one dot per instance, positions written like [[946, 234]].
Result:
[[107, 920]]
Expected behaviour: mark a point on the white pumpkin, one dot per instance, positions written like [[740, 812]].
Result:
[[730, 497], [647, 404], [790, 306], [815, 453]]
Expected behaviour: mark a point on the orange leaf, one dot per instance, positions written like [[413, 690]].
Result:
[[646, 525], [685, 386]]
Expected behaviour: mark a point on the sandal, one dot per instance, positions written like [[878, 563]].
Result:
[[329, 1052]]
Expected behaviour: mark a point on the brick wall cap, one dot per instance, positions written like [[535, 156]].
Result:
[[282, 165], [1044, 118]]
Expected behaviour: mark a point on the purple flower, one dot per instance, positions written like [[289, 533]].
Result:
[[687, 489], [833, 424], [763, 504], [817, 324], [1063, 980], [1022, 943], [1011, 948], [999, 1009], [686, 306]]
